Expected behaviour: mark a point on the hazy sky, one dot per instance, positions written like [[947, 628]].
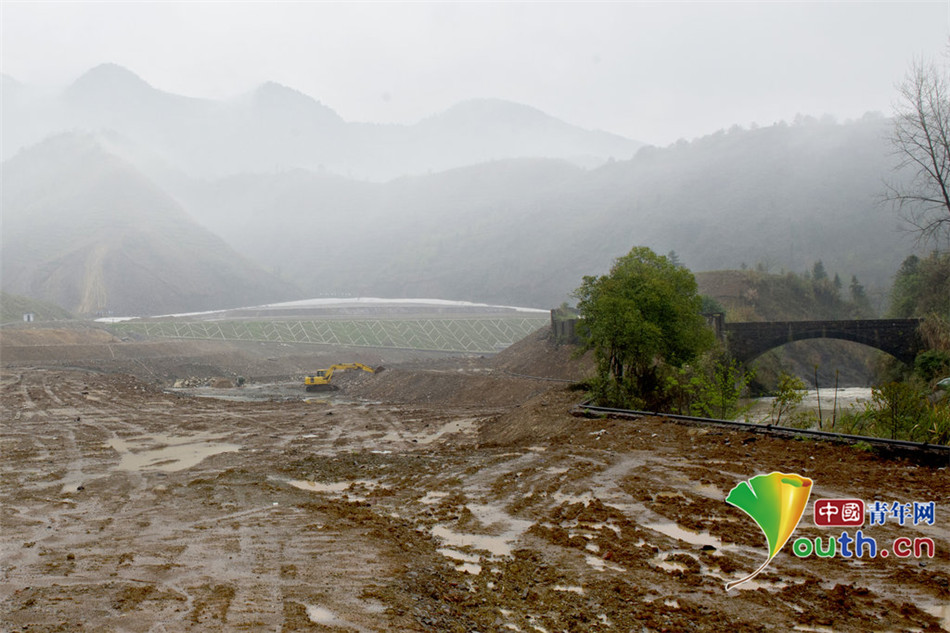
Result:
[[651, 71]]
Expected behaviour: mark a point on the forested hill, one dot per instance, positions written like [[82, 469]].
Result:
[[526, 231]]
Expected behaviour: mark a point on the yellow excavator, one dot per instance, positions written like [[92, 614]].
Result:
[[321, 380]]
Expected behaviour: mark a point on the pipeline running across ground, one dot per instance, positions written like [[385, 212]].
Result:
[[903, 448]]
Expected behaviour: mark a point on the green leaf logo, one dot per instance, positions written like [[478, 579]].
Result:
[[776, 503]]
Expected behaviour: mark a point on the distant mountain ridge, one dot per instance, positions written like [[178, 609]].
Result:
[[278, 128], [526, 231], [127, 218], [85, 230]]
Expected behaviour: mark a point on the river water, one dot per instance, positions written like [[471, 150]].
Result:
[[844, 399]]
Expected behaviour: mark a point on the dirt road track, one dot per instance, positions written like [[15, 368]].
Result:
[[128, 509]]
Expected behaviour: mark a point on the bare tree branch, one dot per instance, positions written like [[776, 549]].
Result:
[[921, 141]]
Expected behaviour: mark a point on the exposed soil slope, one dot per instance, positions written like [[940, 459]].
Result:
[[125, 508]]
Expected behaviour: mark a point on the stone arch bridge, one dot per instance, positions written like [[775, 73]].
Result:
[[745, 341]]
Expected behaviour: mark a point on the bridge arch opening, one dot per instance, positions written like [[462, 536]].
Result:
[[850, 364], [897, 337]]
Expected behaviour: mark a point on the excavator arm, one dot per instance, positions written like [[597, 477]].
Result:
[[320, 381]]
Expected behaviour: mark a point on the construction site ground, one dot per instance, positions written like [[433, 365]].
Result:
[[442, 494]]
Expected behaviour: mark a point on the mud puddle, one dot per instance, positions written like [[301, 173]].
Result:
[[167, 453]]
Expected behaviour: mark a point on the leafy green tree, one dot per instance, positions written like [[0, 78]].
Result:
[[645, 312], [922, 287], [716, 392], [710, 305], [907, 288]]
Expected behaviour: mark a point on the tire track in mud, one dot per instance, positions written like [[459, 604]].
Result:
[[173, 549], [49, 392]]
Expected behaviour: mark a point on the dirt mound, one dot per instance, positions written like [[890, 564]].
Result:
[[454, 388], [541, 418], [539, 355], [525, 370], [56, 336]]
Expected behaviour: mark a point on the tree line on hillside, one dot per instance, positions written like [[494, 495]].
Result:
[[654, 351]]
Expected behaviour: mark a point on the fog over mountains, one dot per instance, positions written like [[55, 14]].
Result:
[[86, 230], [119, 197], [275, 128]]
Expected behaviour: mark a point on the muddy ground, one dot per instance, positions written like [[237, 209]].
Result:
[[439, 495]]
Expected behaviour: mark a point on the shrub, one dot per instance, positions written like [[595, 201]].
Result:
[[788, 395], [897, 409]]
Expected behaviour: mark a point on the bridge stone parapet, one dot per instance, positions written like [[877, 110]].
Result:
[[898, 337]]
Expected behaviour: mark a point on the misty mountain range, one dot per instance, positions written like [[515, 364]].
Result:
[[119, 197], [276, 128]]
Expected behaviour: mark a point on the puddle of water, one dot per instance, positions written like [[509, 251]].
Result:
[[433, 496], [941, 612], [467, 563], [250, 393], [562, 498], [495, 545], [600, 564], [320, 615], [169, 453], [336, 486], [491, 515], [457, 555], [668, 566], [694, 538], [507, 530], [313, 486], [708, 490]]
